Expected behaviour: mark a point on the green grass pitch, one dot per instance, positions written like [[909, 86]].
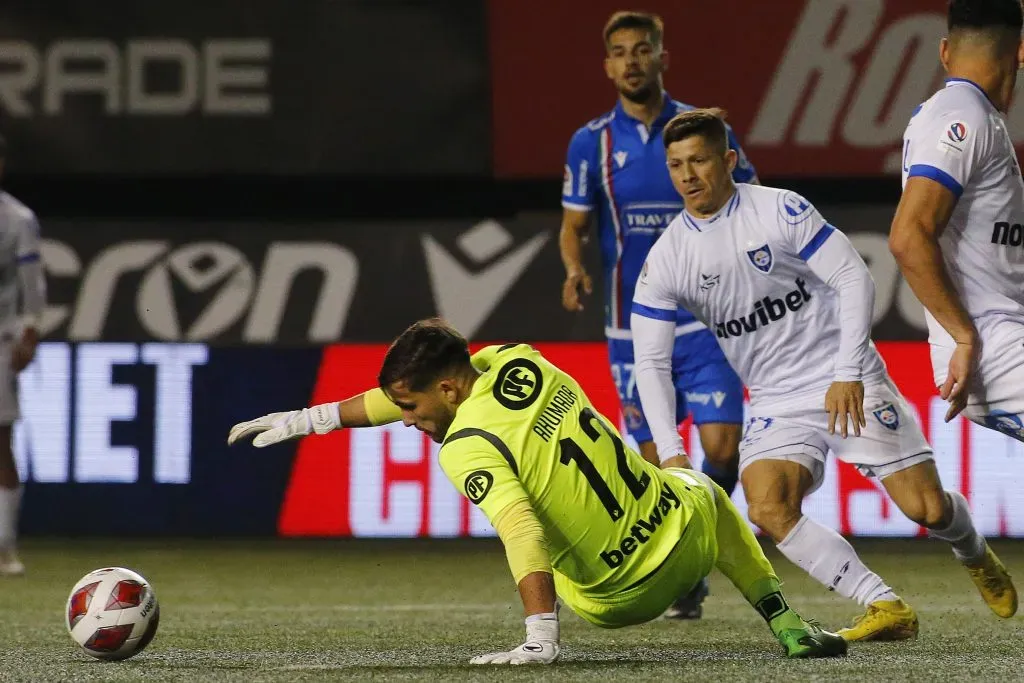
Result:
[[274, 610]]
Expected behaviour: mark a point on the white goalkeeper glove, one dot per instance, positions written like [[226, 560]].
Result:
[[541, 646], [278, 427]]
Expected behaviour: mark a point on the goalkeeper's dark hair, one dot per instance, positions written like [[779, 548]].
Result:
[[707, 123], [990, 16], [423, 353], [644, 21]]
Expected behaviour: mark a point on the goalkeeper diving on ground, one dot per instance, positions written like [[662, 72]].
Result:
[[581, 515]]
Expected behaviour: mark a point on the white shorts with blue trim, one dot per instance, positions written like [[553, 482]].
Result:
[[891, 442], [996, 400]]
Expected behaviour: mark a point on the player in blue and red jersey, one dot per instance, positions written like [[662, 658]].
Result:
[[616, 171]]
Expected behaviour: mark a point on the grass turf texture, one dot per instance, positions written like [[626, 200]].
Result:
[[418, 610]]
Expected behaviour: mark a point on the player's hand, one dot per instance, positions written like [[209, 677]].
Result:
[[541, 646], [571, 290], [277, 427], [958, 379], [845, 401], [25, 350]]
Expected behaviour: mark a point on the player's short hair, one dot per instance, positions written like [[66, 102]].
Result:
[[985, 15], [708, 123], [420, 355], [644, 21]]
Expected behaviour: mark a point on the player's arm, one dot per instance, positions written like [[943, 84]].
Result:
[[579, 186], [526, 550], [833, 259], [368, 409], [32, 282], [938, 168], [921, 216], [653, 322], [488, 480], [575, 224], [830, 256]]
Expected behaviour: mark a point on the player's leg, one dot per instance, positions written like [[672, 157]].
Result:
[[714, 398], [892, 448], [709, 538], [782, 463], [742, 561], [721, 442], [10, 485], [918, 493], [10, 497]]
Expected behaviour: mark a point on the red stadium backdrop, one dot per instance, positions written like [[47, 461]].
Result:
[[385, 481], [814, 87]]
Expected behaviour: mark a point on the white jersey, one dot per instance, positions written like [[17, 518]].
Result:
[[785, 293], [19, 247], [959, 139]]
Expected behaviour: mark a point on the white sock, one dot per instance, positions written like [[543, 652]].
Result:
[[829, 558], [9, 499], [968, 544]]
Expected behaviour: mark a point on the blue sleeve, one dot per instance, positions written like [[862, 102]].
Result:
[[744, 171], [579, 182]]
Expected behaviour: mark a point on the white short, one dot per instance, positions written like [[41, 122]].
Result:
[[9, 407], [892, 440], [997, 398]]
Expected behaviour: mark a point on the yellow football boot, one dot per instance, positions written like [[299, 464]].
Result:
[[884, 620], [994, 584]]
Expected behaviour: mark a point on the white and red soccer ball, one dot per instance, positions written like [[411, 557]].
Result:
[[112, 613]]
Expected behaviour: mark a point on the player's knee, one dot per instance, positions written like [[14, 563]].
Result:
[[929, 509], [721, 447], [775, 517]]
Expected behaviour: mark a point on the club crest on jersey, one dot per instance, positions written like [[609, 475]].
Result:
[[761, 258], [957, 132], [518, 384], [887, 416]]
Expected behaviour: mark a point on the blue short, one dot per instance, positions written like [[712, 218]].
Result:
[[706, 385]]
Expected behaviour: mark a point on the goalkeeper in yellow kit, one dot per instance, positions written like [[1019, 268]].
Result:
[[579, 513]]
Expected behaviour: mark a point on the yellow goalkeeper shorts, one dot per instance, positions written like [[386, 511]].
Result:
[[649, 596]]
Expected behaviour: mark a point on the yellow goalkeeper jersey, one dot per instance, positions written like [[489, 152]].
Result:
[[528, 432]]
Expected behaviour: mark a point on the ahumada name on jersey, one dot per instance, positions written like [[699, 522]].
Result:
[[556, 409], [766, 311]]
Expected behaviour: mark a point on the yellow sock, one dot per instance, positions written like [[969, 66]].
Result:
[[741, 559]]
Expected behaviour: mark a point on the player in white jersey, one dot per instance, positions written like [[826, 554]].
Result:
[[790, 301], [22, 295], [958, 234]]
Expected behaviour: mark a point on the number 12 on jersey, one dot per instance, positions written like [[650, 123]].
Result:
[[592, 426]]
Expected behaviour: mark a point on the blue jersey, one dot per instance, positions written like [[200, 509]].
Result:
[[616, 167]]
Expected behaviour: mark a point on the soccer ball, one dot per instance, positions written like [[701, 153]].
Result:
[[112, 613]]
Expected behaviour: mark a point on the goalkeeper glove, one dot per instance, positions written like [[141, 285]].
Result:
[[278, 427], [541, 646]]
